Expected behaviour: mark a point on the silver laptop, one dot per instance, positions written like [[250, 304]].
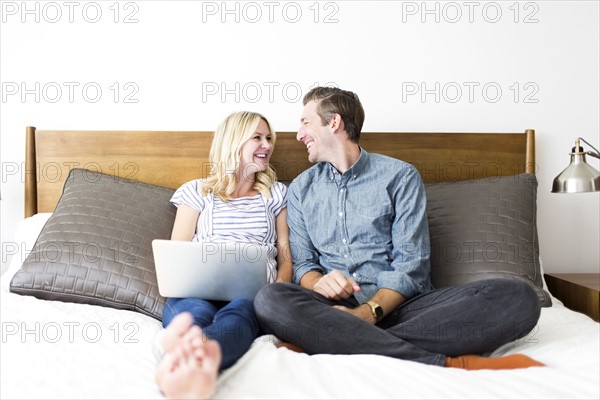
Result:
[[211, 271]]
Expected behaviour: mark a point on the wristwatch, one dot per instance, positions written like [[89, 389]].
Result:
[[376, 310]]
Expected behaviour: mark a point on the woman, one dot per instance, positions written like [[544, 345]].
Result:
[[241, 202]]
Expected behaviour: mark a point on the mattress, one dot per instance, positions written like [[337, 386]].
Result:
[[53, 349]]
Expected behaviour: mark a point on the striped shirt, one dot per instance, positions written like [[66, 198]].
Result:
[[243, 220]]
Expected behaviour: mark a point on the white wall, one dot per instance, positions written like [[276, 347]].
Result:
[[173, 56]]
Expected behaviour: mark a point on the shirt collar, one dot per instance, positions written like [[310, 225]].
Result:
[[354, 171]]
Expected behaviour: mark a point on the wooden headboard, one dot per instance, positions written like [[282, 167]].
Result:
[[170, 158]]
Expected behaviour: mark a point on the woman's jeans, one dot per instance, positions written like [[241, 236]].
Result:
[[232, 324]]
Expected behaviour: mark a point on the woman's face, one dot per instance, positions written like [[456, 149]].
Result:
[[256, 152]]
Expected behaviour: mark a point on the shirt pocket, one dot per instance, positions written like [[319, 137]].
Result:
[[321, 224], [373, 224]]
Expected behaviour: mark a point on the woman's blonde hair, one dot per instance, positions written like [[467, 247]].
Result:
[[225, 155]]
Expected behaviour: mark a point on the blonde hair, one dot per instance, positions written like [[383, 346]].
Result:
[[225, 155]]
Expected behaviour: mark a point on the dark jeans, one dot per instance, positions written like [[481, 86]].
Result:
[[232, 324], [470, 319]]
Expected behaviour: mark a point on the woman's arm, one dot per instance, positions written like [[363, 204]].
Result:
[[184, 227], [284, 257]]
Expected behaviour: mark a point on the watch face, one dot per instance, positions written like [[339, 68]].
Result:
[[379, 312], [373, 312], [376, 310]]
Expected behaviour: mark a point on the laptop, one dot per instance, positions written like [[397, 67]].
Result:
[[211, 271]]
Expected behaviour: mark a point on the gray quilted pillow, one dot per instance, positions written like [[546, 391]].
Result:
[[96, 247], [485, 228]]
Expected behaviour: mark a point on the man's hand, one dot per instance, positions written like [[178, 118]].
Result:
[[363, 312], [387, 299], [336, 286]]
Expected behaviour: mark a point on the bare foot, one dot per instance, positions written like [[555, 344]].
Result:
[[176, 331], [191, 368]]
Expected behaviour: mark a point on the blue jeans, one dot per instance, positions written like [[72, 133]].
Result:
[[475, 318], [233, 324]]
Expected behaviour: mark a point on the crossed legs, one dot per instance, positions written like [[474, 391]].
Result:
[[433, 328]]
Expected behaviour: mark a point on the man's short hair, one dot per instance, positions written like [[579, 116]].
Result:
[[337, 101]]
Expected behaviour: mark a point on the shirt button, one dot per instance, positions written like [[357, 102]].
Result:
[[342, 189], [344, 240], [341, 214], [345, 255], [354, 274], [354, 176]]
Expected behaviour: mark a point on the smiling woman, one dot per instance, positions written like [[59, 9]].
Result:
[[240, 170], [242, 203], [255, 155]]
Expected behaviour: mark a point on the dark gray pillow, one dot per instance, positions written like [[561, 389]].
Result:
[[485, 228], [96, 248]]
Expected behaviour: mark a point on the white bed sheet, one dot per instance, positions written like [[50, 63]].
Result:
[[62, 350]]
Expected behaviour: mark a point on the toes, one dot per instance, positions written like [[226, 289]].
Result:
[[165, 367], [193, 334], [212, 357], [192, 339], [181, 323], [178, 327], [190, 378]]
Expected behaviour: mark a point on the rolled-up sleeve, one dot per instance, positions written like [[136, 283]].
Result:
[[410, 238]]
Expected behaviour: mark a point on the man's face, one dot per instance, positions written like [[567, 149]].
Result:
[[316, 136]]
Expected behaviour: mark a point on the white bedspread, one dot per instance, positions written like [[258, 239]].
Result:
[[62, 350]]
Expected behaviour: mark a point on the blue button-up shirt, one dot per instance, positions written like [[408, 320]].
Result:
[[369, 222]]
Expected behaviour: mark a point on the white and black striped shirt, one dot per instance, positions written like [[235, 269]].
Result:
[[241, 220]]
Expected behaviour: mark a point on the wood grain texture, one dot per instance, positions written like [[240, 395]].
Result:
[[31, 206], [170, 158], [579, 292]]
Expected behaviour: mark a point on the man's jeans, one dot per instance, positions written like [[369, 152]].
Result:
[[470, 319], [232, 324]]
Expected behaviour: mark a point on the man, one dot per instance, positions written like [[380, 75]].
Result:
[[360, 249]]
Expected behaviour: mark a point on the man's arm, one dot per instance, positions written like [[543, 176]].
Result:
[[410, 255], [410, 239], [307, 270], [309, 279], [387, 299]]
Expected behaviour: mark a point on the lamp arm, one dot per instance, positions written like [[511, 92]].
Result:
[[591, 153]]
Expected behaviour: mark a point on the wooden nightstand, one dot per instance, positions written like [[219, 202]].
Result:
[[579, 292]]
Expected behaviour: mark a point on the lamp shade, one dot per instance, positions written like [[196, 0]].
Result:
[[578, 177]]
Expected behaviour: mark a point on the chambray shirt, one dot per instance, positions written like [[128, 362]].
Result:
[[369, 222]]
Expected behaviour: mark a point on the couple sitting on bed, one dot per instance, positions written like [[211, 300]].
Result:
[[359, 241]]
